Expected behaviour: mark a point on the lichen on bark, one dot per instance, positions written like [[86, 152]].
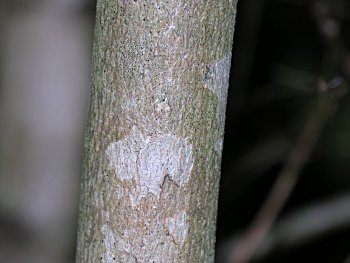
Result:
[[155, 130]]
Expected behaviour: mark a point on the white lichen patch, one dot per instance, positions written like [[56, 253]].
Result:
[[219, 143], [97, 195], [162, 108], [217, 80], [177, 227], [150, 241], [123, 244], [109, 245], [146, 161]]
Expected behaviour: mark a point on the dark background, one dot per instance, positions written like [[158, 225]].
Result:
[[282, 49]]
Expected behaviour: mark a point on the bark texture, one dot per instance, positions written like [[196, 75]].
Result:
[[155, 130]]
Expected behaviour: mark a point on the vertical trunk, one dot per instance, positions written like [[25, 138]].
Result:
[[155, 130]]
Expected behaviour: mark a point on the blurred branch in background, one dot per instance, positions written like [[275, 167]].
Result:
[[44, 85], [286, 180], [332, 85], [299, 227]]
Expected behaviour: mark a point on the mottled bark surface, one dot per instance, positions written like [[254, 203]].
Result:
[[155, 130]]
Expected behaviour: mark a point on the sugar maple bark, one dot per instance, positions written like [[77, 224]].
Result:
[[155, 130]]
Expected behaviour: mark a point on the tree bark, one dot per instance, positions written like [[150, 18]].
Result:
[[155, 130]]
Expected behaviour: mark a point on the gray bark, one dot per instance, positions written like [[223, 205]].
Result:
[[155, 130]]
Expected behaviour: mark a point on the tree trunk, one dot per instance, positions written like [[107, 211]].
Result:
[[155, 130]]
